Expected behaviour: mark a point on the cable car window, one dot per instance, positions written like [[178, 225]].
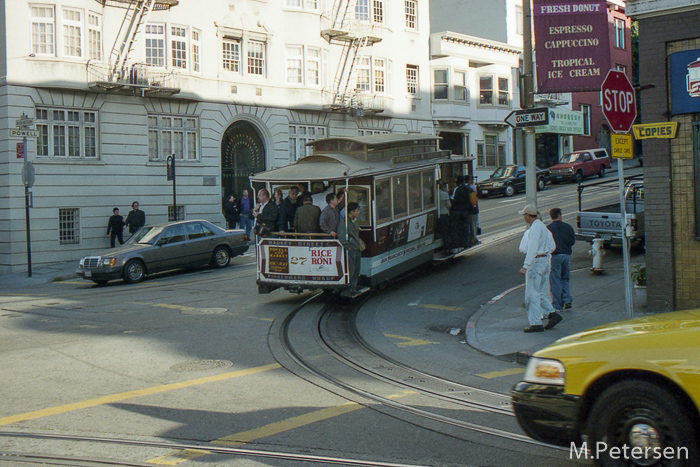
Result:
[[398, 195], [414, 192], [382, 190], [428, 189], [359, 195]]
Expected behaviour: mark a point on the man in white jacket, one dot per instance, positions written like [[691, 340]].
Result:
[[540, 245]]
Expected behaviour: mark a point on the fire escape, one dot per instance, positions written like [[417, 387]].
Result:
[[342, 26], [120, 74]]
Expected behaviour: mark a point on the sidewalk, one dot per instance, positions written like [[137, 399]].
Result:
[[41, 274], [497, 328]]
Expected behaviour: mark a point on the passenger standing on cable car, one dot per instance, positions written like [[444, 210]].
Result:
[[459, 212], [307, 216], [287, 211], [265, 214], [350, 239], [330, 216], [444, 204]]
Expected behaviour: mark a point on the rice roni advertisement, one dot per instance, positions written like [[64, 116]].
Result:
[[318, 261], [572, 51]]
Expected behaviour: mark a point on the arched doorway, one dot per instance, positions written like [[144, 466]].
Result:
[[242, 153]]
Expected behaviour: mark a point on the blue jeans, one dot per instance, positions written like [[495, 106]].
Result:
[[247, 224], [536, 301], [559, 281]]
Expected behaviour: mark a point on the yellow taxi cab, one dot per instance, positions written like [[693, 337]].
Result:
[[623, 394]]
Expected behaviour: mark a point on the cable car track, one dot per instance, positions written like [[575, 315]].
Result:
[[354, 353]]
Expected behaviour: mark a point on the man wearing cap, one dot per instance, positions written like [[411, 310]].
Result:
[[540, 245]]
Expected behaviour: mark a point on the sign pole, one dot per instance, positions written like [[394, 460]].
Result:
[[625, 239], [527, 88], [26, 209]]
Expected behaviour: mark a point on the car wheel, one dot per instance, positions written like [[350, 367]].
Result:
[[134, 271], [601, 174], [221, 257], [100, 282], [578, 178], [509, 191], [541, 184], [638, 414]]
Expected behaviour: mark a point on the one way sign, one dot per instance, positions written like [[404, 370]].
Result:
[[528, 117]]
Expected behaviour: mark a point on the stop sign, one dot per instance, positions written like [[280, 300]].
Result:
[[619, 106]]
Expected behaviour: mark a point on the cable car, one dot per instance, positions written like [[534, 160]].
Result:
[[394, 179]]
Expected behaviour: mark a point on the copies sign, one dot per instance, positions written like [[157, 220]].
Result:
[[571, 45]]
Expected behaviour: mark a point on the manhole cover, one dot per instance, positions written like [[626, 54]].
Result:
[[200, 365], [205, 311]]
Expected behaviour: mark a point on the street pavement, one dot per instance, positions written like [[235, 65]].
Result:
[[496, 328]]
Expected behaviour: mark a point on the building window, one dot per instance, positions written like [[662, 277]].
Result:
[[172, 210], [295, 63], [43, 30], [299, 135], [503, 93], [232, 55], [440, 84], [68, 133], [411, 10], [94, 37], [486, 90], [620, 33], [412, 79], [362, 10], [363, 75], [586, 111], [305, 4], [490, 152], [72, 33], [459, 86], [621, 68], [313, 66], [195, 50], [379, 73], [69, 226], [178, 45], [173, 135], [518, 19], [378, 11], [256, 58], [155, 45]]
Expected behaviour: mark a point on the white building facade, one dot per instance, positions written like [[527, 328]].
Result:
[[227, 90], [475, 87]]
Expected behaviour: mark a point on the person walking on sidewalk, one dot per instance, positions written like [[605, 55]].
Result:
[[115, 228], [536, 271], [135, 219], [564, 237]]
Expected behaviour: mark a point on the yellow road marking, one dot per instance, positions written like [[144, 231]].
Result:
[[498, 374], [409, 341], [131, 394], [441, 307], [266, 430]]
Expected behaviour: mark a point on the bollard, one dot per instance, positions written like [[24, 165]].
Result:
[[597, 252]]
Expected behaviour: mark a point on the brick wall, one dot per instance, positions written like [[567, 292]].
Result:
[[672, 254]]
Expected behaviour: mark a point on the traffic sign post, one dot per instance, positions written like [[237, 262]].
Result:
[[620, 110], [28, 175]]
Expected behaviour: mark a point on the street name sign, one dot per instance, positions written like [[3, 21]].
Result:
[[20, 133], [619, 103], [655, 130], [528, 117], [22, 122]]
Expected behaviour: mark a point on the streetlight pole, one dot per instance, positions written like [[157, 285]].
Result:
[[527, 97]]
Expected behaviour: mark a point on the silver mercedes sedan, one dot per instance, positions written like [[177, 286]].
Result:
[[165, 247]]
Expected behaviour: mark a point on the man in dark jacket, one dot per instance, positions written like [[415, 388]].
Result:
[[349, 237], [564, 238], [115, 227], [231, 212], [136, 218], [306, 217], [265, 214], [287, 211], [459, 215]]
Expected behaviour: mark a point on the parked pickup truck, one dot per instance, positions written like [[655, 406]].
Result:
[[605, 221], [580, 164]]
